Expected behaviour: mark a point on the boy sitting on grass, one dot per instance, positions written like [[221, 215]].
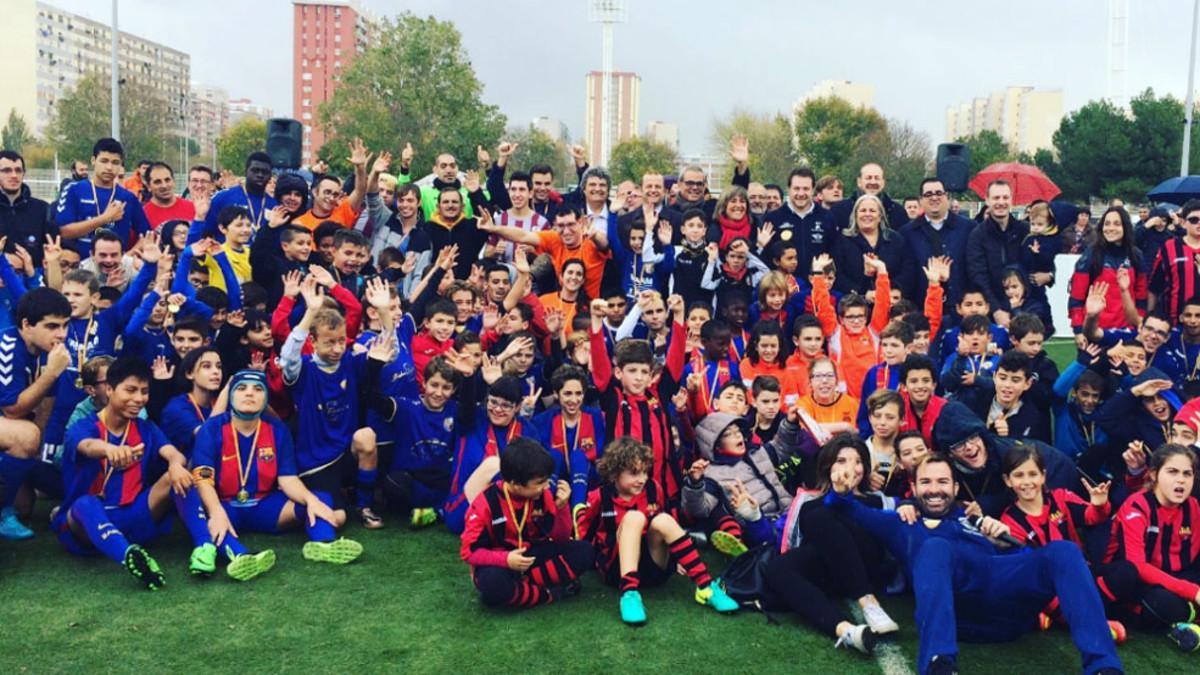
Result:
[[635, 536], [517, 538]]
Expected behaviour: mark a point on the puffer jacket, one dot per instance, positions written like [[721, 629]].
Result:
[[755, 469]]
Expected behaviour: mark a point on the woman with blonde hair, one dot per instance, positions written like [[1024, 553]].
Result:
[[868, 234]]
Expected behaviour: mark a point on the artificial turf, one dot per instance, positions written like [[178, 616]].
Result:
[[408, 606]]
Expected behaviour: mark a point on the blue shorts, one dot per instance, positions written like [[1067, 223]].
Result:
[[258, 516], [135, 521]]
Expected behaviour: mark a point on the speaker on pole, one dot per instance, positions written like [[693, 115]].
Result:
[[284, 140], [954, 166]]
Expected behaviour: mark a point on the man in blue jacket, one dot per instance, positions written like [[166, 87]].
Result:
[[965, 586], [939, 233]]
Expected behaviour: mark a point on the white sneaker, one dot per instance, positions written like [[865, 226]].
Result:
[[878, 620], [860, 637]]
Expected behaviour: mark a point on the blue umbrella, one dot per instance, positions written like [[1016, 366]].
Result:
[[1177, 190]]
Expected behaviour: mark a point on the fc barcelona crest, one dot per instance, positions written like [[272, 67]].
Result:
[[266, 454]]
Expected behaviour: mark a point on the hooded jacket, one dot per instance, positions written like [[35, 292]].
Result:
[[755, 469], [985, 485]]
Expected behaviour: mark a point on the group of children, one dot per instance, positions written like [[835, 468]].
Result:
[[264, 371]]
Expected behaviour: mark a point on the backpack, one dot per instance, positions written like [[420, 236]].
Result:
[[745, 580]]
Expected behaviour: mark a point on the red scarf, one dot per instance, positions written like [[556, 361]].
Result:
[[585, 437], [230, 482], [732, 229], [492, 449], [732, 274], [131, 476]]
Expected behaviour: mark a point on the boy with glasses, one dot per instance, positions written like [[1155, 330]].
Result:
[[1173, 276]]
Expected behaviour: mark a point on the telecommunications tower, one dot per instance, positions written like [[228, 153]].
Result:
[[606, 13]]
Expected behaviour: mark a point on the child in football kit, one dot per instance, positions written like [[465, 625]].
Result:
[[517, 537], [245, 473], [112, 503], [327, 386], [636, 538]]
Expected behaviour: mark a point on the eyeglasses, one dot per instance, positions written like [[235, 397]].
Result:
[[693, 183], [1195, 220], [933, 193], [962, 445], [855, 317], [500, 404], [824, 376], [1157, 331]]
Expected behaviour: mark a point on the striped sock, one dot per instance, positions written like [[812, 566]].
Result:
[[526, 593], [553, 571], [684, 552], [629, 582], [728, 525]]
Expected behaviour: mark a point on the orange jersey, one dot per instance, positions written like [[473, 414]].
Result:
[[787, 385], [843, 409]]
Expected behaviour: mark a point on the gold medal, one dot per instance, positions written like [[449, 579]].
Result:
[[243, 496], [173, 308], [786, 235], [79, 382]]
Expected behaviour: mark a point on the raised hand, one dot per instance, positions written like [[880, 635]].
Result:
[[1124, 279], [505, 151], [359, 156], [739, 150], [382, 163], [472, 181], [554, 321], [51, 250], [322, 276], [162, 369], [579, 155], [378, 294], [483, 216], [151, 251], [821, 262], [291, 283], [1097, 298], [201, 203], [765, 234], [696, 470], [406, 156], [1136, 457], [311, 292], [712, 250], [236, 318], [1097, 493], [665, 232], [483, 158], [277, 216], [491, 370]]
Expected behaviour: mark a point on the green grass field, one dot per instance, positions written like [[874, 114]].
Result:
[[408, 606]]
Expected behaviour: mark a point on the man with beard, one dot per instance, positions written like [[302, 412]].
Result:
[[25, 220], [977, 455], [252, 194], [965, 586], [445, 176], [164, 204]]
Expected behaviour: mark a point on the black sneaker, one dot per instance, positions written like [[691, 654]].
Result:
[[942, 665], [1186, 636], [567, 590], [144, 568]]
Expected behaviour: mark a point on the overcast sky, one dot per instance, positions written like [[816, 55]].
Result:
[[699, 60]]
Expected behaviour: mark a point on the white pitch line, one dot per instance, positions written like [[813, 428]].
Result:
[[888, 655]]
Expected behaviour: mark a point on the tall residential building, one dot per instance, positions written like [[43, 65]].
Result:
[[240, 108], [207, 117], [856, 93], [551, 126], [327, 36], [47, 51], [623, 110], [666, 133], [1026, 118]]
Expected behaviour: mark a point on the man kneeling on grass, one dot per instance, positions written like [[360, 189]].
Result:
[[245, 470]]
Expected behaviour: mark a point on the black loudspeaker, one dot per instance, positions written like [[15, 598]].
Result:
[[953, 166], [284, 140]]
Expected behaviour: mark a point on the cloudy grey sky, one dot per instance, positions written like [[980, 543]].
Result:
[[700, 59]]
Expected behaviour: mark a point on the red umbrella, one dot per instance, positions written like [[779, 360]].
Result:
[[1028, 183]]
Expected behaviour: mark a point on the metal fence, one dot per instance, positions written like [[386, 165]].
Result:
[[43, 183]]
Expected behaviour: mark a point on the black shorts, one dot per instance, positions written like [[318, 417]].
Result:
[[649, 573], [334, 478]]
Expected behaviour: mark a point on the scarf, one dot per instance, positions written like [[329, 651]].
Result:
[[732, 229]]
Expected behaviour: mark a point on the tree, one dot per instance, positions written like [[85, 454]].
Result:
[[84, 115], [238, 141], [415, 85], [636, 156], [907, 160], [830, 132], [15, 135], [770, 139], [536, 147], [1094, 144], [987, 148]]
